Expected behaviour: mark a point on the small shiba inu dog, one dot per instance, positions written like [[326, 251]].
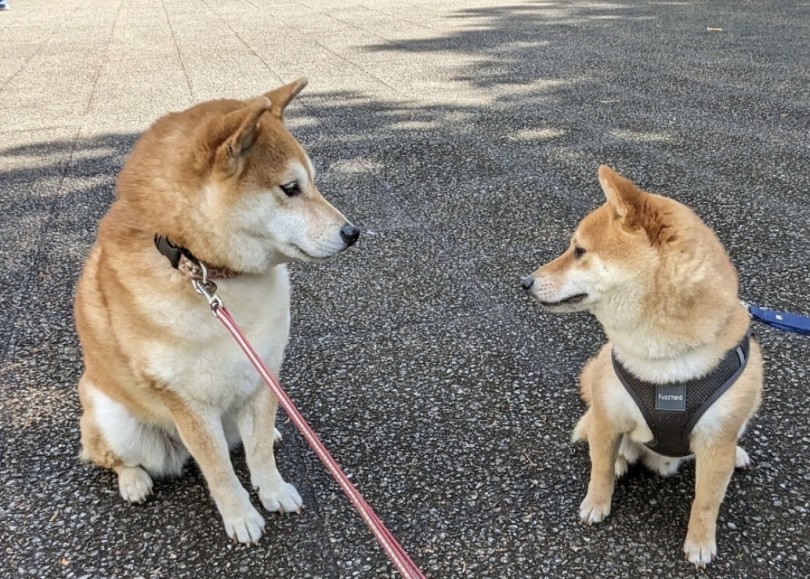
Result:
[[224, 186], [680, 374]]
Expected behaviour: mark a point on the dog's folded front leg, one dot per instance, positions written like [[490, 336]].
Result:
[[714, 465], [202, 433], [604, 449], [256, 422]]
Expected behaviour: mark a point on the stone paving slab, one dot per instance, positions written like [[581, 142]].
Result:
[[463, 138]]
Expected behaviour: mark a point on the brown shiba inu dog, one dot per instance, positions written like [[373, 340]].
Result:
[[679, 374], [226, 185]]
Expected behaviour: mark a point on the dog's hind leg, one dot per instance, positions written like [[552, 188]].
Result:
[[663, 465], [134, 483], [580, 433], [629, 453], [112, 437], [741, 458]]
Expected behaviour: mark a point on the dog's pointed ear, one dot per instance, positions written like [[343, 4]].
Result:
[[622, 195], [636, 210], [237, 132], [283, 95]]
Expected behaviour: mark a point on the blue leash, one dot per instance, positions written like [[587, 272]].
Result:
[[785, 321]]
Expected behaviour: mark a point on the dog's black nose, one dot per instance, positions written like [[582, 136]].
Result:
[[527, 282], [349, 233]]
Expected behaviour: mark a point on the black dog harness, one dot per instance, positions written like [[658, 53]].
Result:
[[671, 410]]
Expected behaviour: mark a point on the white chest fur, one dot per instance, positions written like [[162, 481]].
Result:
[[199, 359]]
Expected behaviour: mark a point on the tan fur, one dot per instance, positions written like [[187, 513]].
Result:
[[665, 291], [162, 379], [94, 447]]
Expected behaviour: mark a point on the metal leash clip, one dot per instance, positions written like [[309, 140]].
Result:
[[204, 286]]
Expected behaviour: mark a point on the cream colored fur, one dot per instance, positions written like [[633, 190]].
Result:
[[163, 379], [665, 291]]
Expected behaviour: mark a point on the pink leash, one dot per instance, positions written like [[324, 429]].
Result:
[[406, 567]]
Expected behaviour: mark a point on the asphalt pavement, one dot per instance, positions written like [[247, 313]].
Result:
[[463, 138]]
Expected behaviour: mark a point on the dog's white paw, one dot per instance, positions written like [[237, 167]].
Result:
[[741, 458], [134, 483], [245, 527], [699, 553], [592, 511], [621, 467], [282, 497], [276, 436]]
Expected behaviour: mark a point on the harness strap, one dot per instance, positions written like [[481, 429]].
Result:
[[671, 410], [742, 352]]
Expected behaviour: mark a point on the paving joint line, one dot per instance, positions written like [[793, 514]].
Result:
[[243, 41], [384, 186], [177, 48], [36, 262], [106, 59], [377, 178], [409, 21], [38, 50]]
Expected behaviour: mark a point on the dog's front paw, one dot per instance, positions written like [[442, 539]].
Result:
[[281, 497], [245, 527], [277, 436], [594, 511], [699, 552]]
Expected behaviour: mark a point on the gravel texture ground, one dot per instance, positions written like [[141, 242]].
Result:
[[463, 137]]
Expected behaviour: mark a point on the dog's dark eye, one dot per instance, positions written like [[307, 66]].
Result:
[[578, 251], [291, 189]]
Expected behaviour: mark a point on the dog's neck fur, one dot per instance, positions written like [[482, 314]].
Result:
[[661, 361], [684, 329]]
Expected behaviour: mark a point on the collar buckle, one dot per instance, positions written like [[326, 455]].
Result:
[[185, 262]]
